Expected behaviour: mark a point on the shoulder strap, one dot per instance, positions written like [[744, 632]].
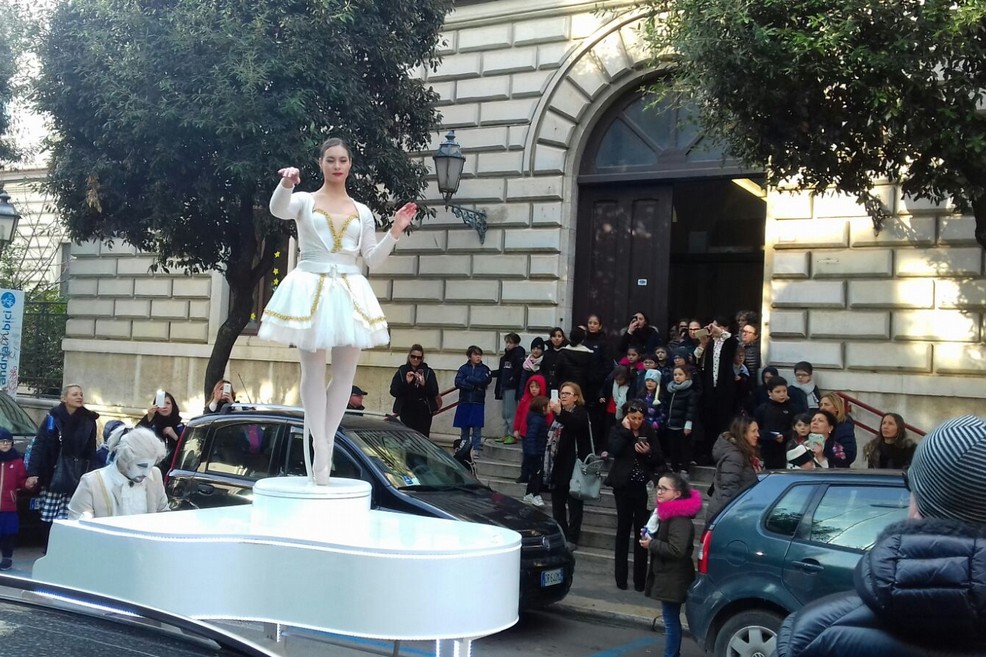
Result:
[[105, 493], [592, 443]]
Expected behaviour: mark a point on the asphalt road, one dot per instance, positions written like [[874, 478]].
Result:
[[542, 633]]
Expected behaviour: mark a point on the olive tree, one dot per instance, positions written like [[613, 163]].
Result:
[[837, 93], [170, 120]]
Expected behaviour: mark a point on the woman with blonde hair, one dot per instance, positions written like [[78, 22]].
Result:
[[737, 462], [845, 430], [574, 442]]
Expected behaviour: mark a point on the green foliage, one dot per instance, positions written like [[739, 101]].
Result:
[[836, 93], [171, 119], [7, 71]]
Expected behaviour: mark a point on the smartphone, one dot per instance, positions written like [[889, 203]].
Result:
[[554, 395], [159, 399], [227, 388], [701, 333]]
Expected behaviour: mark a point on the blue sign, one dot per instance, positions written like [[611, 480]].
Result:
[[11, 328]]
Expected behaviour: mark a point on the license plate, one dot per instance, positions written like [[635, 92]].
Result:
[[552, 577]]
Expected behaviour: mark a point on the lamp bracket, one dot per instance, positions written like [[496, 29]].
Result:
[[472, 218]]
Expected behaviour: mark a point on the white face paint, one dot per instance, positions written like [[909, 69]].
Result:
[[137, 472]]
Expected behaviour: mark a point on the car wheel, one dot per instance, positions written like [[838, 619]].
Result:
[[748, 634]]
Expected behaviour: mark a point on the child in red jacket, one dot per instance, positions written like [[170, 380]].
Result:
[[12, 478]]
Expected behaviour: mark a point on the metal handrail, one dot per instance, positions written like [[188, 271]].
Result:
[[447, 406], [850, 401]]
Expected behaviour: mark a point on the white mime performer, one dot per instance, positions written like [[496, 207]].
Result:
[[130, 485], [326, 302]]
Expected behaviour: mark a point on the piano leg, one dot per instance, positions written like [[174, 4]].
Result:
[[453, 648], [274, 632]]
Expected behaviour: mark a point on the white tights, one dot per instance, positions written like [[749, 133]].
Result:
[[325, 406]]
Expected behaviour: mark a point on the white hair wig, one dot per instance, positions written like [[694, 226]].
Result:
[[135, 445]]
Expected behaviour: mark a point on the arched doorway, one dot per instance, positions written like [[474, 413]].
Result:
[[666, 223]]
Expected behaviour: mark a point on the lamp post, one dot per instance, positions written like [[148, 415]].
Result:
[[8, 220], [449, 161]]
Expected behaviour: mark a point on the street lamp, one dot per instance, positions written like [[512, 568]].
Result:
[[8, 220], [449, 161]]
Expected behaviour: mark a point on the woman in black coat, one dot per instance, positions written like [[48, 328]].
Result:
[[549, 362], [575, 443], [68, 434], [415, 391], [670, 546], [636, 456], [165, 422]]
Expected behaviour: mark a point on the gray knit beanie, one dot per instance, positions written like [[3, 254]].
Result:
[[948, 472]]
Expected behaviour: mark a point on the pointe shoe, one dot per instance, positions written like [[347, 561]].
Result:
[[321, 477]]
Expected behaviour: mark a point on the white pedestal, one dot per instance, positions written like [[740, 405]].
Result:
[[282, 504]]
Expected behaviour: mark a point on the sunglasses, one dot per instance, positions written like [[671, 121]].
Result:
[[415, 357]]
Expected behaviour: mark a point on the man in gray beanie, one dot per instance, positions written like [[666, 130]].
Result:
[[921, 589]]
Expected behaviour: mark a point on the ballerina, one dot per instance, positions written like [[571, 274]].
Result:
[[325, 302]]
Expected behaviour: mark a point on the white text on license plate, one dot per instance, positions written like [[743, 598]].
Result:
[[552, 577]]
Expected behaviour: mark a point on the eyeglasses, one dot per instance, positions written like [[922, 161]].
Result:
[[748, 331], [415, 356], [4, 441], [565, 393], [664, 489], [907, 481]]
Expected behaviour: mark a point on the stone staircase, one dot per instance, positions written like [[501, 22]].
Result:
[[500, 467]]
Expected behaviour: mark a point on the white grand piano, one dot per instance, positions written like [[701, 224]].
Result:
[[303, 556]]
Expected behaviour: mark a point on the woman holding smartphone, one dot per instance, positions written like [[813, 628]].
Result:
[[639, 332], [636, 455], [164, 419], [575, 442], [222, 395]]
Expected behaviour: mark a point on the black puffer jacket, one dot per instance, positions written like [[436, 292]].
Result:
[[921, 591], [681, 404]]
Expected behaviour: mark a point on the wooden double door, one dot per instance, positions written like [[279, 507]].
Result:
[[623, 254]]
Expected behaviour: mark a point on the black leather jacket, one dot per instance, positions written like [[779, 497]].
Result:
[[921, 591]]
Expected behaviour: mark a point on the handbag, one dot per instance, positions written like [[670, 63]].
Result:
[[68, 472], [587, 475]]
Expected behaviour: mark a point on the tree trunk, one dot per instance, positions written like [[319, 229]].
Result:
[[249, 259], [979, 210], [240, 306]]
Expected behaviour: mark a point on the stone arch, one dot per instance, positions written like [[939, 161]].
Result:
[[603, 66]]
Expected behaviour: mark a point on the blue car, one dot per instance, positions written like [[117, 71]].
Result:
[[791, 538]]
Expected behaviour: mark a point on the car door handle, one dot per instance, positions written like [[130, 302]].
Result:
[[206, 489], [809, 566]]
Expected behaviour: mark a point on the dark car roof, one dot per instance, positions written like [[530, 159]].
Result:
[[351, 420], [75, 623]]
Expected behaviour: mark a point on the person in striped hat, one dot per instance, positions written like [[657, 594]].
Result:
[[921, 589]]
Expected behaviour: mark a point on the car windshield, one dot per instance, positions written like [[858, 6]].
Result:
[[14, 418], [411, 461]]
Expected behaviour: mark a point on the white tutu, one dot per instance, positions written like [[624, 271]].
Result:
[[320, 311]]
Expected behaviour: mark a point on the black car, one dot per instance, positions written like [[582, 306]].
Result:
[[791, 538], [220, 456], [43, 619], [23, 428]]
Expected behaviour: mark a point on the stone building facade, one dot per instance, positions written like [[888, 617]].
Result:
[[896, 319]]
